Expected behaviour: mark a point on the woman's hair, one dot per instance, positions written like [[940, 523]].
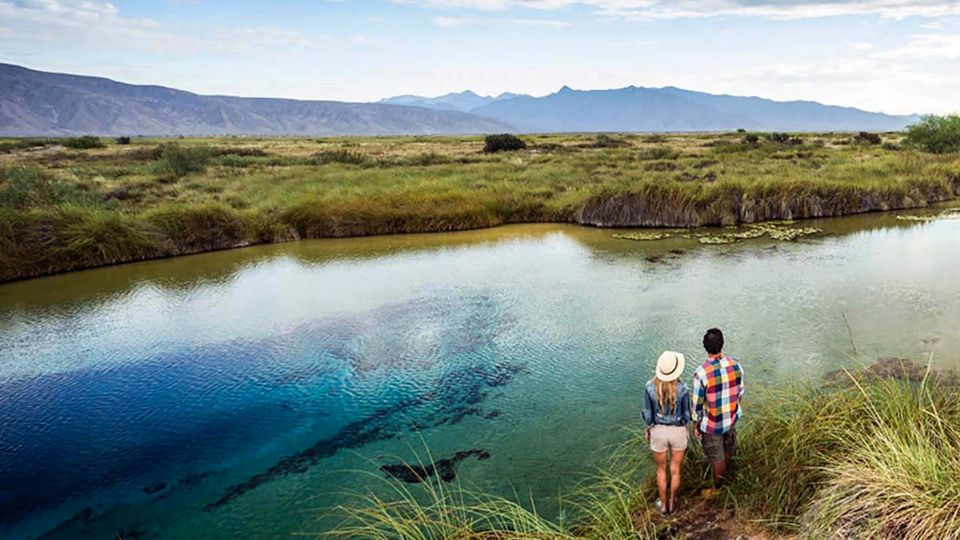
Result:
[[666, 393]]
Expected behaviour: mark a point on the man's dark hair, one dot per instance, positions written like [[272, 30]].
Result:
[[713, 341]]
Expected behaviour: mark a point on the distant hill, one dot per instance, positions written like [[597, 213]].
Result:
[[462, 101], [673, 109], [36, 103]]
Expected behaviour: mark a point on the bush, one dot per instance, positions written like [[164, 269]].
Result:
[[606, 141], [865, 137], [179, 161], [348, 157], [123, 140], [503, 142], [84, 143], [751, 138], [937, 134]]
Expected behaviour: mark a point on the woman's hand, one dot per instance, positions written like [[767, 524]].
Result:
[[646, 433]]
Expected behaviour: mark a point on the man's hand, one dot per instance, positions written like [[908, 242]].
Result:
[[697, 432]]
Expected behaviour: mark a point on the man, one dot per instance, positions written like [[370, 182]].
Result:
[[717, 390]]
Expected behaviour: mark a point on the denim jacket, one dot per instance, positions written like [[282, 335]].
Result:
[[653, 415]]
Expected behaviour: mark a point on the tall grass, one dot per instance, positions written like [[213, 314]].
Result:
[[609, 504], [867, 457]]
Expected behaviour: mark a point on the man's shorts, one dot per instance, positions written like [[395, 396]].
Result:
[[672, 437], [716, 446]]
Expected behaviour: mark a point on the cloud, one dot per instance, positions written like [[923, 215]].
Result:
[[101, 25], [454, 22], [677, 9], [925, 46], [860, 45], [85, 22], [449, 22]]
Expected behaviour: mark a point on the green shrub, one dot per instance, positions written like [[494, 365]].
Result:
[[123, 140], [657, 152], [502, 142], [937, 134], [865, 137], [178, 161], [607, 141], [751, 138], [85, 142], [348, 157]]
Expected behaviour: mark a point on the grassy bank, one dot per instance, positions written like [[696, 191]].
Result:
[[875, 454], [65, 208]]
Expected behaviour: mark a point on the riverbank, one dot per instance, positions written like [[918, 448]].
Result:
[[67, 209], [872, 453]]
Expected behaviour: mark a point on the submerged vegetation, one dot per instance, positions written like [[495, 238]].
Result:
[[66, 204], [872, 454]]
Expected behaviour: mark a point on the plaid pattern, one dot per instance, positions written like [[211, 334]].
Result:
[[717, 388]]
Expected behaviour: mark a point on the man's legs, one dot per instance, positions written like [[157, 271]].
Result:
[[719, 470], [715, 451]]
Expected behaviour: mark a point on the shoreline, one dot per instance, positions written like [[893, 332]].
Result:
[[73, 210], [617, 222]]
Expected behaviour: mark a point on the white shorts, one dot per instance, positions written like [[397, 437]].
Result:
[[672, 437]]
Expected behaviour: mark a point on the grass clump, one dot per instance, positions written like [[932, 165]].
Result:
[[349, 157], [178, 160], [604, 140], [502, 142], [23, 187], [85, 142], [937, 134]]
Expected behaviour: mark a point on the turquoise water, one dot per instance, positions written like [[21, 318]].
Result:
[[245, 393]]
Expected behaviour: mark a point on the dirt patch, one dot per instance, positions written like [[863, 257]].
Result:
[[699, 518]]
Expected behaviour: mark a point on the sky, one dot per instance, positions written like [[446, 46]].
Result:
[[894, 56]]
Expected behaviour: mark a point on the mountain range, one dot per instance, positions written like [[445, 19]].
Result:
[[462, 101], [37, 103]]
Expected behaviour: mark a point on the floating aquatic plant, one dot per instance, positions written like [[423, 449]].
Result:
[[950, 213], [643, 236], [775, 230]]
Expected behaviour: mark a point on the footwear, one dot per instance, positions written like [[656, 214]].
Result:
[[659, 507], [673, 510]]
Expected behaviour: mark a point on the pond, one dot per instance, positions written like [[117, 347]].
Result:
[[245, 393]]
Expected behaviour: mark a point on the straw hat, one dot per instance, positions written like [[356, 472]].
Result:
[[670, 366]]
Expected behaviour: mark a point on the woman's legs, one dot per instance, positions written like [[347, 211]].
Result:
[[676, 459], [660, 458]]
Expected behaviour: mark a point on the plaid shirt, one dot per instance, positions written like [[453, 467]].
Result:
[[717, 389]]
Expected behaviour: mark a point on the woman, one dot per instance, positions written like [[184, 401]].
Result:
[[666, 411]]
